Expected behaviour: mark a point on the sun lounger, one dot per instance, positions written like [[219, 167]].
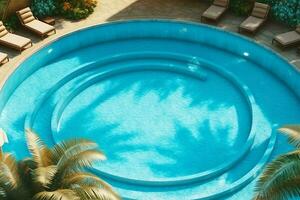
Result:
[[288, 39], [12, 40], [216, 10], [30, 22], [257, 18], [3, 58]]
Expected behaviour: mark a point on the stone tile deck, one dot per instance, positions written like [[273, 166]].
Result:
[[112, 10]]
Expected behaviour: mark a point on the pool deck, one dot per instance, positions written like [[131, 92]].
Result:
[[113, 10]]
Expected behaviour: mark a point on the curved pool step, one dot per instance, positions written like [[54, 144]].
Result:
[[199, 182]]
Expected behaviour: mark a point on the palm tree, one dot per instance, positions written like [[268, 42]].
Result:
[[281, 178], [11, 176], [61, 172], [57, 173]]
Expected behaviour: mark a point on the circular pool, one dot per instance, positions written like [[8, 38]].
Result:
[[181, 110]]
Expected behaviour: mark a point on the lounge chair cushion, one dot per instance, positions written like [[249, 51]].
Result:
[[40, 27], [214, 12], [26, 15], [252, 23], [222, 3], [25, 10], [15, 40], [288, 38], [3, 33], [260, 10], [3, 30], [29, 19]]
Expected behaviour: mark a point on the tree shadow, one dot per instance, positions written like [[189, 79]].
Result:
[[192, 154], [162, 9]]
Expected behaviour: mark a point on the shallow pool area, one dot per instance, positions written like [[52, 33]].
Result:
[[181, 110]]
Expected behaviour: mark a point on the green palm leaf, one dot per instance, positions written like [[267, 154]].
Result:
[[62, 194], [293, 134], [283, 170]]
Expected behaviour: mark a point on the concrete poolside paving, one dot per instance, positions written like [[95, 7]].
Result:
[[113, 10]]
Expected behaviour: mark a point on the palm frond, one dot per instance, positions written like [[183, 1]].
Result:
[[81, 160], [293, 134], [62, 194], [95, 193], [40, 153], [2, 193], [87, 179], [44, 175], [70, 148], [9, 171], [1, 155], [285, 190], [284, 168]]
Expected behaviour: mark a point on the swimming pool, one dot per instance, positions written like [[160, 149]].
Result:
[[181, 110]]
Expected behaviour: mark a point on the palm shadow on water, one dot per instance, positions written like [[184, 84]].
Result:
[[194, 154], [113, 144]]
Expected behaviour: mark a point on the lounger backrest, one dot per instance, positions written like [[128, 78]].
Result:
[[223, 3], [25, 15], [260, 10], [3, 30]]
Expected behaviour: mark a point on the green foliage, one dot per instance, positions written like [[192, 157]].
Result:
[[44, 8], [70, 9], [241, 7], [12, 23], [285, 11], [77, 9], [281, 178]]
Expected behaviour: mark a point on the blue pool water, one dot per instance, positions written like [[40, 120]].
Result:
[[182, 111]]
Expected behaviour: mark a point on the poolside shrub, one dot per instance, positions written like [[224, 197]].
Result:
[[77, 9], [12, 23], [70, 9], [285, 11], [241, 7], [44, 8]]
